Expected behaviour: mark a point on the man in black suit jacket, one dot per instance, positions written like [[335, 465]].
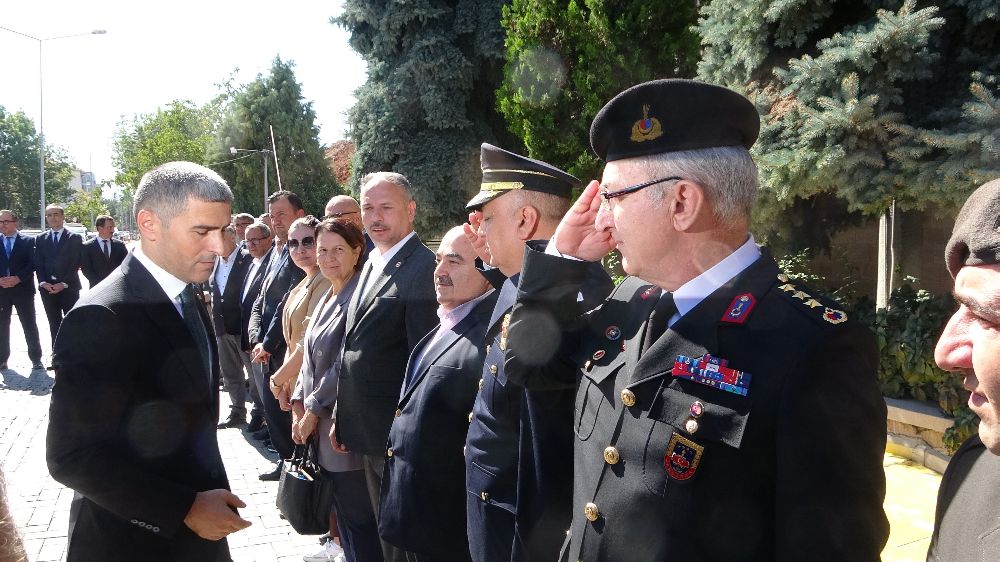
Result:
[[102, 254], [226, 286], [427, 466], [17, 291], [259, 242], [133, 411], [264, 330], [392, 309], [57, 260], [967, 520]]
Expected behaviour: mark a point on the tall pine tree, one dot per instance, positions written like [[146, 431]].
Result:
[[866, 102], [567, 58], [274, 101], [433, 68]]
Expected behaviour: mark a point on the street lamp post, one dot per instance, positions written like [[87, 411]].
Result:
[[263, 152], [41, 105]]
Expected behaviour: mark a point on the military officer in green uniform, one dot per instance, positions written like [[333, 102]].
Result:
[[723, 411]]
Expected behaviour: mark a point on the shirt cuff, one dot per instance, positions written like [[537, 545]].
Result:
[[550, 249]]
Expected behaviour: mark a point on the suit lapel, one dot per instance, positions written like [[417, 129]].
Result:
[[508, 293], [392, 268]]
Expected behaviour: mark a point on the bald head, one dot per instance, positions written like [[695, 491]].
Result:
[[344, 206]]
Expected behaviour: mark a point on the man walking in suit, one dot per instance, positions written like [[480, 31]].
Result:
[[391, 310], [226, 286], [427, 438], [57, 260], [133, 411], [17, 289], [103, 254], [265, 331], [724, 412], [518, 457], [968, 505], [259, 243]]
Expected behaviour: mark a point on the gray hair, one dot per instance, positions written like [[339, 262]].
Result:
[[229, 231], [728, 175], [399, 180], [261, 227], [551, 208], [13, 215], [165, 190]]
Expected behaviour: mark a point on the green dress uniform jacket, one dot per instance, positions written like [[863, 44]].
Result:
[[667, 468], [966, 525]]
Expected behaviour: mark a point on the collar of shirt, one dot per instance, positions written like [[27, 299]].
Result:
[[379, 260], [59, 232], [229, 258], [688, 295], [171, 285], [451, 318], [104, 239]]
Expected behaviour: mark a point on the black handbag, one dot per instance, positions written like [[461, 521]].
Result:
[[304, 496]]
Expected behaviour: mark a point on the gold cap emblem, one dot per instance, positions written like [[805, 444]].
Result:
[[646, 129]]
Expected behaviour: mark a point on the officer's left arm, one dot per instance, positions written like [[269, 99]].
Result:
[[830, 440]]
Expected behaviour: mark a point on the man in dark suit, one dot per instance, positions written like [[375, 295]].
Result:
[[967, 521], [264, 330], [17, 289], [723, 411], [226, 286], [259, 242], [518, 458], [427, 438], [57, 261], [392, 309], [133, 411], [102, 254]]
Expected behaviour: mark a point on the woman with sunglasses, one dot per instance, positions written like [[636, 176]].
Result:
[[340, 255], [300, 301]]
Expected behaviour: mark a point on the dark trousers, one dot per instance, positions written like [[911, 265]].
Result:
[[491, 531], [233, 374], [56, 306], [24, 303], [258, 406], [373, 467], [355, 518], [279, 422]]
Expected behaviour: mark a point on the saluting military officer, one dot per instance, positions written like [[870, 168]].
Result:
[[519, 447], [723, 411]]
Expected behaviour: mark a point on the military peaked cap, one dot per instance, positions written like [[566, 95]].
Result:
[[672, 115], [975, 240], [505, 171]]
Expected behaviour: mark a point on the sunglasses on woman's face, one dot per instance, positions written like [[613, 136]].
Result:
[[307, 242]]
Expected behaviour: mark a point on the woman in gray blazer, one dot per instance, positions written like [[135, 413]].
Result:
[[339, 249]]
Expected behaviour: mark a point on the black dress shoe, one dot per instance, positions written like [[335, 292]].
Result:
[[261, 434], [256, 423], [272, 476], [236, 418]]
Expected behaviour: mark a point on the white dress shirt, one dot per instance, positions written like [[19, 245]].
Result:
[[378, 261], [223, 268], [172, 286]]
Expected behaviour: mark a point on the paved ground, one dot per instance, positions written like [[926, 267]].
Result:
[[41, 506]]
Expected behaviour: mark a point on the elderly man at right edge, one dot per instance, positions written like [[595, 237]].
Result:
[[723, 412]]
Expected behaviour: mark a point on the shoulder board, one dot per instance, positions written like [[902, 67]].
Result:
[[815, 307]]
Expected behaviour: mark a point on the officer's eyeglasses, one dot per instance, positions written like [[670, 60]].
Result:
[[306, 243], [338, 215], [609, 195]]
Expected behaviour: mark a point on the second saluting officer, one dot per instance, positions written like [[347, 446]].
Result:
[[723, 412]]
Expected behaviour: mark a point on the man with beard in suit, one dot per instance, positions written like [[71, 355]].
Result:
[[133, 411]]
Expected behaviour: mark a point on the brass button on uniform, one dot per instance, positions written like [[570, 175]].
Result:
[[388, 453], [470, 417], [488, 348], [691, 426], [628, 397], [481, 383], [485, 496], [493, 369], [399, 413], [591, 512], [611, 455]]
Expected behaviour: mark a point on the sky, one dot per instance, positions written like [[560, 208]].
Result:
[[154, 53]]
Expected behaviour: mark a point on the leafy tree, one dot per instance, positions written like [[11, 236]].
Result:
[[274, 101], [85, 206], [868, 101], [433, 68], [181, 131], [19, 168], [567, 58]]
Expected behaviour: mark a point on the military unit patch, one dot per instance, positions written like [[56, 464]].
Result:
[[712, 371], [831, 315], [650, 291], [682, 458], [739, 309]]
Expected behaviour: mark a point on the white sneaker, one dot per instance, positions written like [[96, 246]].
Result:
[[329, 552]]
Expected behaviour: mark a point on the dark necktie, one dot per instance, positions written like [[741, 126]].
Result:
[[658, 318], [192, 319], [107, 249], [55, 238]]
